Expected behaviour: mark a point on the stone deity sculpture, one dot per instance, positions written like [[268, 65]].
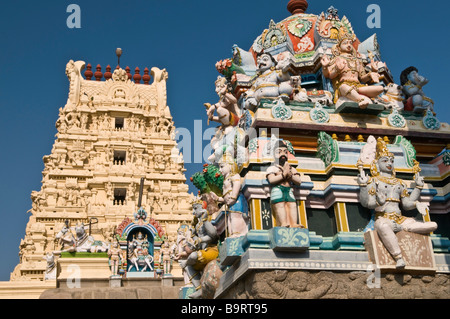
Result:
[[115, 258], [388, 195], [281, 175], [165, 258], [347, 70]]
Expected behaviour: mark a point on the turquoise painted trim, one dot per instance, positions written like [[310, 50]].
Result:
[[289, 239], [440, 244], [256, 239], [441, 199], [349, 241]]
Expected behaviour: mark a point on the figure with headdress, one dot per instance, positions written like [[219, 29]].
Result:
[[234, 201], [273, 81], [202, 248], [346, 69], [281, 176], [388, 195]]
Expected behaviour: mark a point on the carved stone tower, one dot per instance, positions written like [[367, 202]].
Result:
[[111, 133]]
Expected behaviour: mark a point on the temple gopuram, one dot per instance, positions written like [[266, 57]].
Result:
[[114, 179], [329, 175]]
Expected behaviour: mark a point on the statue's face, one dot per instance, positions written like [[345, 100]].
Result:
[[225, 169], [198, 210], [281, 155], [386, 165], [221, 87], [416, 78], [346, 46], [264, 62]]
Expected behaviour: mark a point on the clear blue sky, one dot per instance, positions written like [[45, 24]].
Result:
[[185, 37]]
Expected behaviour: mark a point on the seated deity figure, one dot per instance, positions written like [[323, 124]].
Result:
[[412, 85], [66, 239], [236, 206], [346, 69], [273, 81], [202, 248], [386, 194], [138, 253], [281, 176], [227, 109]]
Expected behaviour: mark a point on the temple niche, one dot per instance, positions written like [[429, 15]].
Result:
[[326, 169], [114, 135]]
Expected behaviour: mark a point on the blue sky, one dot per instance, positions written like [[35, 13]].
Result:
[[185, 37]]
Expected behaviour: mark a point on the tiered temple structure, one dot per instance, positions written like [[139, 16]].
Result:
[[114, 169], [308, 114]]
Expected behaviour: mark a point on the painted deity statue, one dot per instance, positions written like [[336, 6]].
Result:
[[281, 175], [347, 70], [236, 206], [138, 253], [165, 258], [412, 84], [202, 249], [180, 250], [115, 255], [386, 194], [273, 81]]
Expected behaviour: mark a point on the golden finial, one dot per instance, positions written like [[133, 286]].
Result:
[[334, 137], [416, 168], [348, 138]]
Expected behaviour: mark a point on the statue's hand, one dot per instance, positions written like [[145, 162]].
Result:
[[325, 61], [375, 77], [251, 101], [419, 180], [423, 208], [381, 198], [363, 179]]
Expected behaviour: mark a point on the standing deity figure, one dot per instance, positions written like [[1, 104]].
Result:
[[165, 258], [236, 207], [346, 69], [273, 81], [202, 248], [384, 193], [115, 258], [281, 175], [227, 109], [179, 251]]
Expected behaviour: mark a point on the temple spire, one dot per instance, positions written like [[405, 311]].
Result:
[[297, 6]]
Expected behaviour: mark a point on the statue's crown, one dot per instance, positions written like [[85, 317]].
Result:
[[197, 200], [382, 149], [345, 35]]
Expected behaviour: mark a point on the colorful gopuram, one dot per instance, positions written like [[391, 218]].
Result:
[[326, 169]]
